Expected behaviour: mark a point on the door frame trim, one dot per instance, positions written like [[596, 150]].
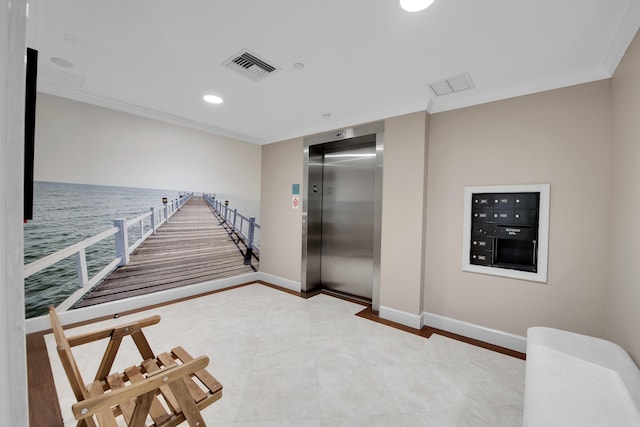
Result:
[[376, 129]]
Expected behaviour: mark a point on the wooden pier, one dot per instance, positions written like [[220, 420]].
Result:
[[193, 247]]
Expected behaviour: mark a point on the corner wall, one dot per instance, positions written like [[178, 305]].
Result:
[[560, 137], [281, 226], [403, 210], [623, 296]]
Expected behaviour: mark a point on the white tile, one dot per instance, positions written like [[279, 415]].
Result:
[[421, 387], [350, 391], [384, 420], [282, 423], [502, 416], [288, 361], [280, 394], [293, 352], [447, 417], [340, 351]]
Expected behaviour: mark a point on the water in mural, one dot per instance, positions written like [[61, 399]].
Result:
[[65, 214]]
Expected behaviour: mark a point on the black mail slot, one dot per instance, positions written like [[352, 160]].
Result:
[[525, 216], [481, 229], [482, 215], [502, 216], [482, 243], [482, 200], [503, 201], [526, 200], [481, 258]]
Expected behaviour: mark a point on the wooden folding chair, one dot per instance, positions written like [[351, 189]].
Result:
[[167, 389]]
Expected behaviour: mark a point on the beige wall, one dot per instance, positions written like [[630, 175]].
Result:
[[403, 203], [582, 140], [559, 137], [281, 227], [403, 208], [623, 297], [77, 142]]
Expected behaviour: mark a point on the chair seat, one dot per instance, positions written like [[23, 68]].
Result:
[[165, 409], [167, 389]]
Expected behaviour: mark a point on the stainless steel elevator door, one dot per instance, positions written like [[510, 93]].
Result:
[[348, 209]]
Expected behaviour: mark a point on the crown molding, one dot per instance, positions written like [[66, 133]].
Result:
[[627, 30], [350, 121], [543, 85], [101, 101], [620, 42]]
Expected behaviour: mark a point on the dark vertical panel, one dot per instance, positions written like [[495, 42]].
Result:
[[29, 130]]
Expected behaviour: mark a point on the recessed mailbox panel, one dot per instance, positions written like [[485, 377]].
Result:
[[504, 230]]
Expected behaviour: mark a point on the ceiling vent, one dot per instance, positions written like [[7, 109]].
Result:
[[250, 65], [453, 84]]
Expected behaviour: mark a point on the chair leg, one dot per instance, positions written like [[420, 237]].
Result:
[[141, 411], [188, 406]]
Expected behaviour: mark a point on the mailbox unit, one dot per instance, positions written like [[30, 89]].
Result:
[[504, 230]]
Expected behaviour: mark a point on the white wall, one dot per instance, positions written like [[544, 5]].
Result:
[[82, 143], [13, 370]]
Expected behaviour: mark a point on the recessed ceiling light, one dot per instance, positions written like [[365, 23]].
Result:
[[212, 99], [298, 65], [415, 5], [326, 114], [62, 62], [71, 38]]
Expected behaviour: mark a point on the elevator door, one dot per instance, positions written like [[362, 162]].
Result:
[[348, 210]]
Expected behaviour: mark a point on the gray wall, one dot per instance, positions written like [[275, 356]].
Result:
[[623, 282]]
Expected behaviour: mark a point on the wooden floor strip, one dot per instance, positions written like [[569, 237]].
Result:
[[44, 410]]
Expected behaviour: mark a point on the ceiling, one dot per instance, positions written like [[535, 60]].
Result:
[[364, 60]]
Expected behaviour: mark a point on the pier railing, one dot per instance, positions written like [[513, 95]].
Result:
[[144, 226], [245, 228]]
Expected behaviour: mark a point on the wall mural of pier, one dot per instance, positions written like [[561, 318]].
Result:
[[93, 239]]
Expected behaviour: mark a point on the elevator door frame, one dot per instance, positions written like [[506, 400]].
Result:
[[310, 259]]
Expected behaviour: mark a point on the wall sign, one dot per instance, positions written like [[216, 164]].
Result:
[[295, 196], [505, 231]]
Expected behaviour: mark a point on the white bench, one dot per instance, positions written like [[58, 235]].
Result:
[[577, 380]]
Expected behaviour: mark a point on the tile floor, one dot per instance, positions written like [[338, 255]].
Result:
[[287, 361]]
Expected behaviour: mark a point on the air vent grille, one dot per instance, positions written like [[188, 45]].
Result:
[[250, 65], [452, 84]]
